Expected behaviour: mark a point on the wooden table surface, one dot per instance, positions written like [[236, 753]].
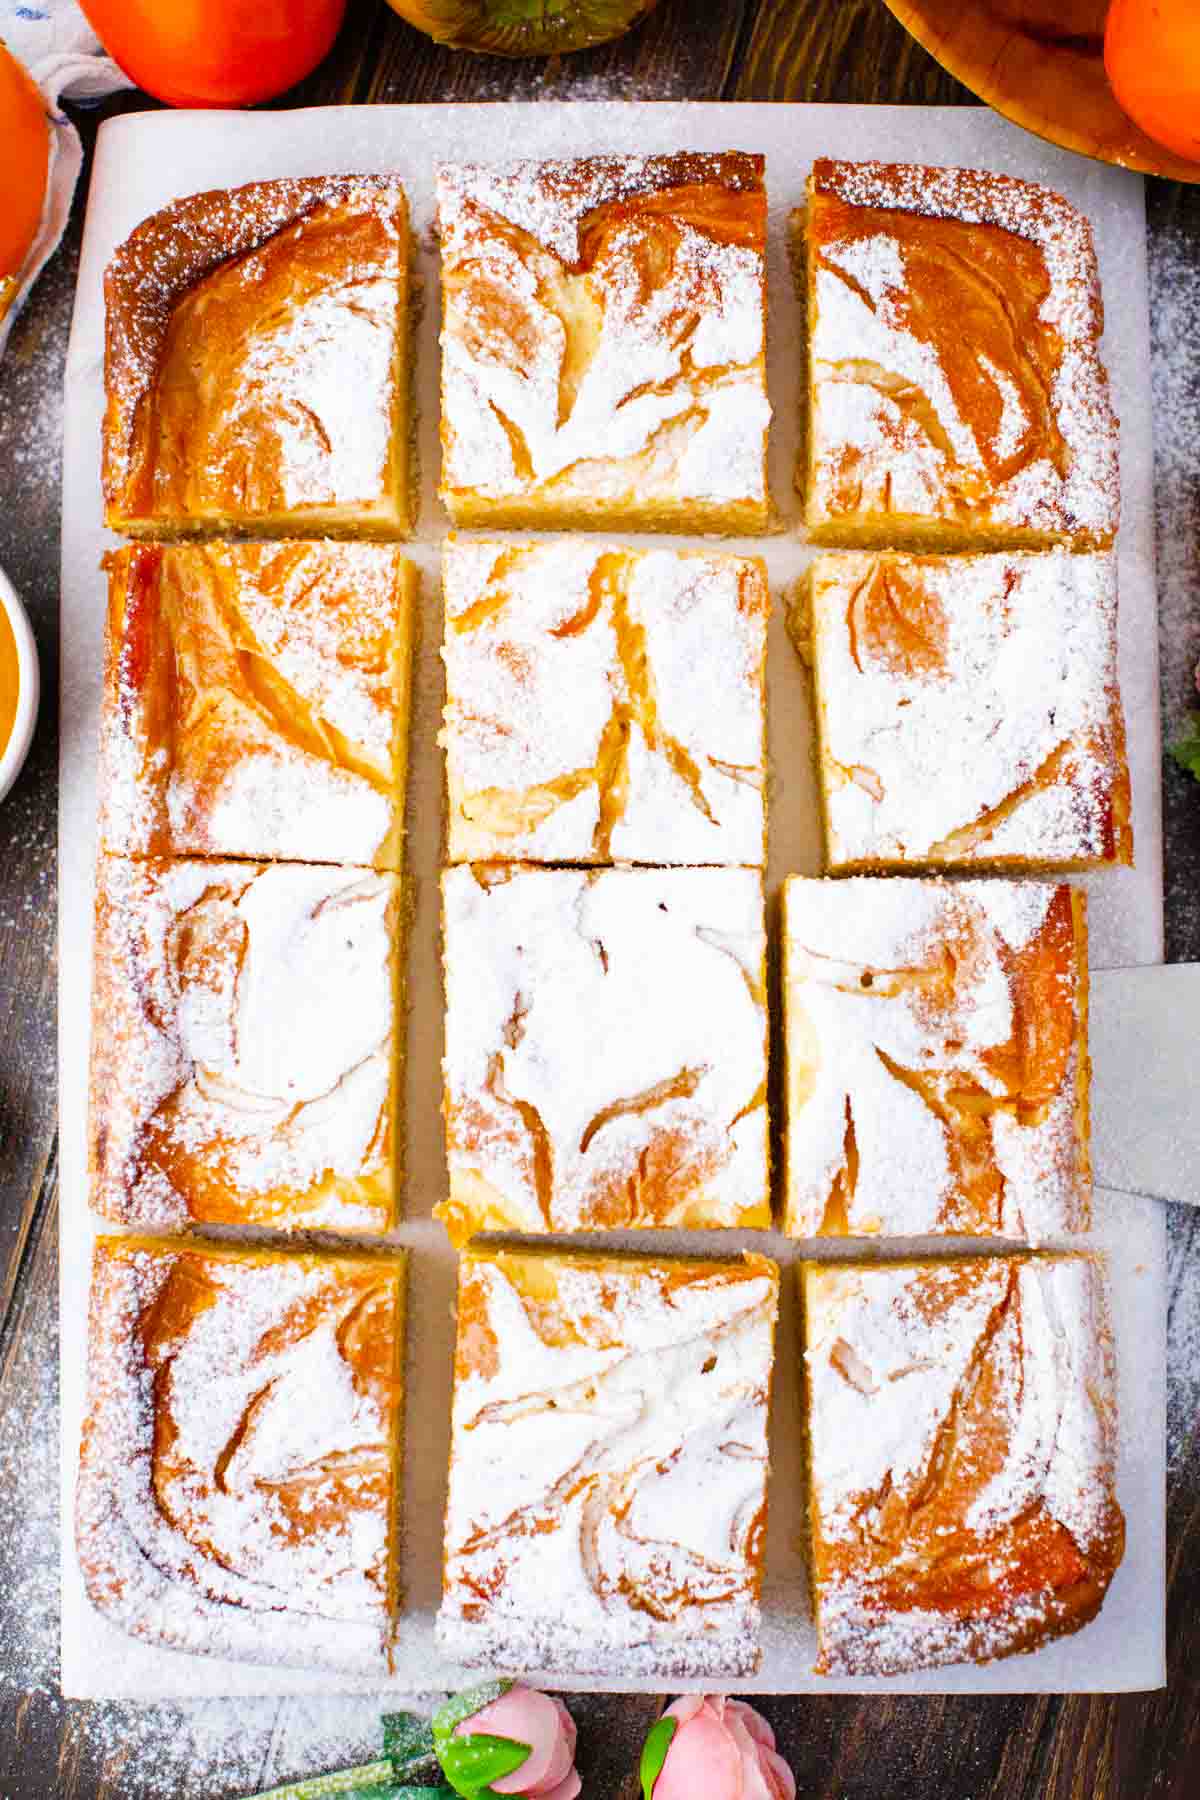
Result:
[[1040, 1748]]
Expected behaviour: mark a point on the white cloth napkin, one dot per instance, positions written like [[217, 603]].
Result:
[[64, 56]]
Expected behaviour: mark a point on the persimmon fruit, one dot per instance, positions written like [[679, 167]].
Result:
[[522, 27], [24, 164], [216, 52], [1152, 56]]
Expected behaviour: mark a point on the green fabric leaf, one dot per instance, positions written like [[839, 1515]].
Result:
[[472, 1762], [468, 1768], [1186, 750], [462, 1706], [654, 1754], [408, 1741], [368, 1781]]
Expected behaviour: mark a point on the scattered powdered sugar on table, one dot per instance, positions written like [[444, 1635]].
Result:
[[1175, 333], [1183, 1336]]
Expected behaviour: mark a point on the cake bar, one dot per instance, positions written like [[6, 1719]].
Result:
[[245, 1045], [604, 705], [238, 1480], [256, 363], [962, 1458], [968, 713], [937, 1058], [603, 343], [956, 391], [608, 1465], [605, 1061], [256, 701]]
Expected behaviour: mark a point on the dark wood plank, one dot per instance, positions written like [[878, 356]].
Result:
[[345, 75], [32, 1720], [30, 428], [838, 50], [1173, 216]]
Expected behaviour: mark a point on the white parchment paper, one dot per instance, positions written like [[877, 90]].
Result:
[[144, 161]]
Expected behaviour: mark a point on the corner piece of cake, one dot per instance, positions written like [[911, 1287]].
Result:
[[957, 394], [256, 701], [256, 363], [962, 1458], [603, 339], [968, 711], [606, 1049], [608, 1465], [937, 1064], [604, 704], [239, 1470], [245, 1045]]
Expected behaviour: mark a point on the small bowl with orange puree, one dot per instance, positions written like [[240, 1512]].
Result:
[[19, 684]]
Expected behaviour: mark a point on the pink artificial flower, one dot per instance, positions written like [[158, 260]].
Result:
[[722, 1750], [542, 1722]]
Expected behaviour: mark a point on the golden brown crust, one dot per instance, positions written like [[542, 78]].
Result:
[[239, 1459], [190, 443], [982, 1522], [957, 393], [256, 701]]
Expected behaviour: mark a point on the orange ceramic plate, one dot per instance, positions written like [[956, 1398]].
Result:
[[1041, 64]]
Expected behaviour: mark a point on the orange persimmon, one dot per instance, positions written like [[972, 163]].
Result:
[[216, 52], [1152, 56], [24, 163]]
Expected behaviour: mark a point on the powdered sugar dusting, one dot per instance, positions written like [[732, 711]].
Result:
[[604, 704], [909, 466], [608, 1468], [244, 1028], [605, 1055], [969, 708], [633, 375], [896, 1358], [237, 1467], [141, 1751], [912, 1100]]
